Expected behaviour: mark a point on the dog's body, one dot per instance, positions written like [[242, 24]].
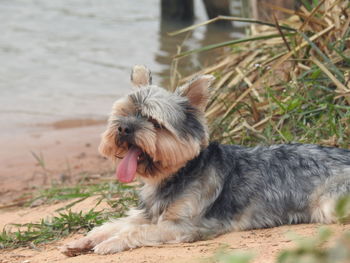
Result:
[[194, 190]]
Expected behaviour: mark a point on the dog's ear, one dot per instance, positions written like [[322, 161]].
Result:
[[141, 76], [197, 91]]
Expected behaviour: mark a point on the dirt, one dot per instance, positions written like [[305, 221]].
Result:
[[70, 148], [265, 244]]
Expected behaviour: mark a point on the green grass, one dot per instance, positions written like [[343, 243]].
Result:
[[307, 112], [316, 250], [294, 90], [119, 197], [51, 229], [309, 105], [224, 255], [115, 194], [307, 250], [297, 90], [306, 107]]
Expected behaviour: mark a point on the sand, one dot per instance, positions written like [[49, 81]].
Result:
[[69, 149], [265, 244]]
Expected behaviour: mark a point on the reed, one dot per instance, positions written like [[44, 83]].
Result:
[[286, 82]]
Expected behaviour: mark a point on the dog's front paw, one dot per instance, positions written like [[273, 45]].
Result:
[[77, 247], [111, 246]]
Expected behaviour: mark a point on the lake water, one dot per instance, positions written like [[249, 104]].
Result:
[[64, 59]]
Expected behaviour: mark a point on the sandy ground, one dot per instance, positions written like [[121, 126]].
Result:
[[265, 244], [69, 148]]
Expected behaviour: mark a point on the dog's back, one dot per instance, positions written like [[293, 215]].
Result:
[[192, 189], [280, 184]]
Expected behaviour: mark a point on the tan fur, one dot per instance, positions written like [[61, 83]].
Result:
[[122, 107], [243, 221], [107, 147], [140, 76], [166, 149], [160, 132], [104, 232], [146, 139], [173, 226], [323, 200], [145, 235], [191, 204], [205, 140], [169, 153], [322, 207], [323, 211], [172, 151], [197, 91]]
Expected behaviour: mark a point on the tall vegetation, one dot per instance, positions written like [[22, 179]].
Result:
[[289, 81]]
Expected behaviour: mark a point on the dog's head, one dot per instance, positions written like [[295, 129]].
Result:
[[153, 132]]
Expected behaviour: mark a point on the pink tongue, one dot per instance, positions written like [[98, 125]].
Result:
[[126, 169]]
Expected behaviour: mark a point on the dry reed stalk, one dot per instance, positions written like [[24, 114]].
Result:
[[249, 93]]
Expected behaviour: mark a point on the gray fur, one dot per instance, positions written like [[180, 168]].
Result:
[[161, 105], [170, 110], [258, 187], [223, 187]]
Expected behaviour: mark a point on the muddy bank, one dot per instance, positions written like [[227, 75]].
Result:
[[66, 148]]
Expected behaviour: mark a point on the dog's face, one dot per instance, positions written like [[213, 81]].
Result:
[[153, 132]]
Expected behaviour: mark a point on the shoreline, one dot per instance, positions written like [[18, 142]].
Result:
[[55, 152]]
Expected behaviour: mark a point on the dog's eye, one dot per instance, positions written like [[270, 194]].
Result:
[[155, 123]]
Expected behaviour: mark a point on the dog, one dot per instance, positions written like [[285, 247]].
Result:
[[192, 189]]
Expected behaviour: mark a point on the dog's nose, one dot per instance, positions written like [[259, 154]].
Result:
[[125, 130]]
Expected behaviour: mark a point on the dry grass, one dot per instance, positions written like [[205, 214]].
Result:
[[293, 87]]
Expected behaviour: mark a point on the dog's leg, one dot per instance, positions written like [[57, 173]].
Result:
[[102, 233], [149, 235], [179, 223], [323, 200]]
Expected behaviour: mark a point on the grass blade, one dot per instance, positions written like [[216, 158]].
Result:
[[229, 43], [229, 18], [340, 86], [325, 58]]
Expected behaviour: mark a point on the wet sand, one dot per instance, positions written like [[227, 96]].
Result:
[[68, 148]]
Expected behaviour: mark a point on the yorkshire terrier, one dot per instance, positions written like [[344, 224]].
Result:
[[193, 189]]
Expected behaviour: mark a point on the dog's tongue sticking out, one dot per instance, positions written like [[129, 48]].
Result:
[[126, 169]]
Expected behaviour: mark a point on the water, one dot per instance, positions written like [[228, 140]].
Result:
[[64, 59]]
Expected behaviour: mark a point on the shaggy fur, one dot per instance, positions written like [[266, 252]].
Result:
[[193, 190]]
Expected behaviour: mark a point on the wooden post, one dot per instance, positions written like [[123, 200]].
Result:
[[218, 7], [179, 11]]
